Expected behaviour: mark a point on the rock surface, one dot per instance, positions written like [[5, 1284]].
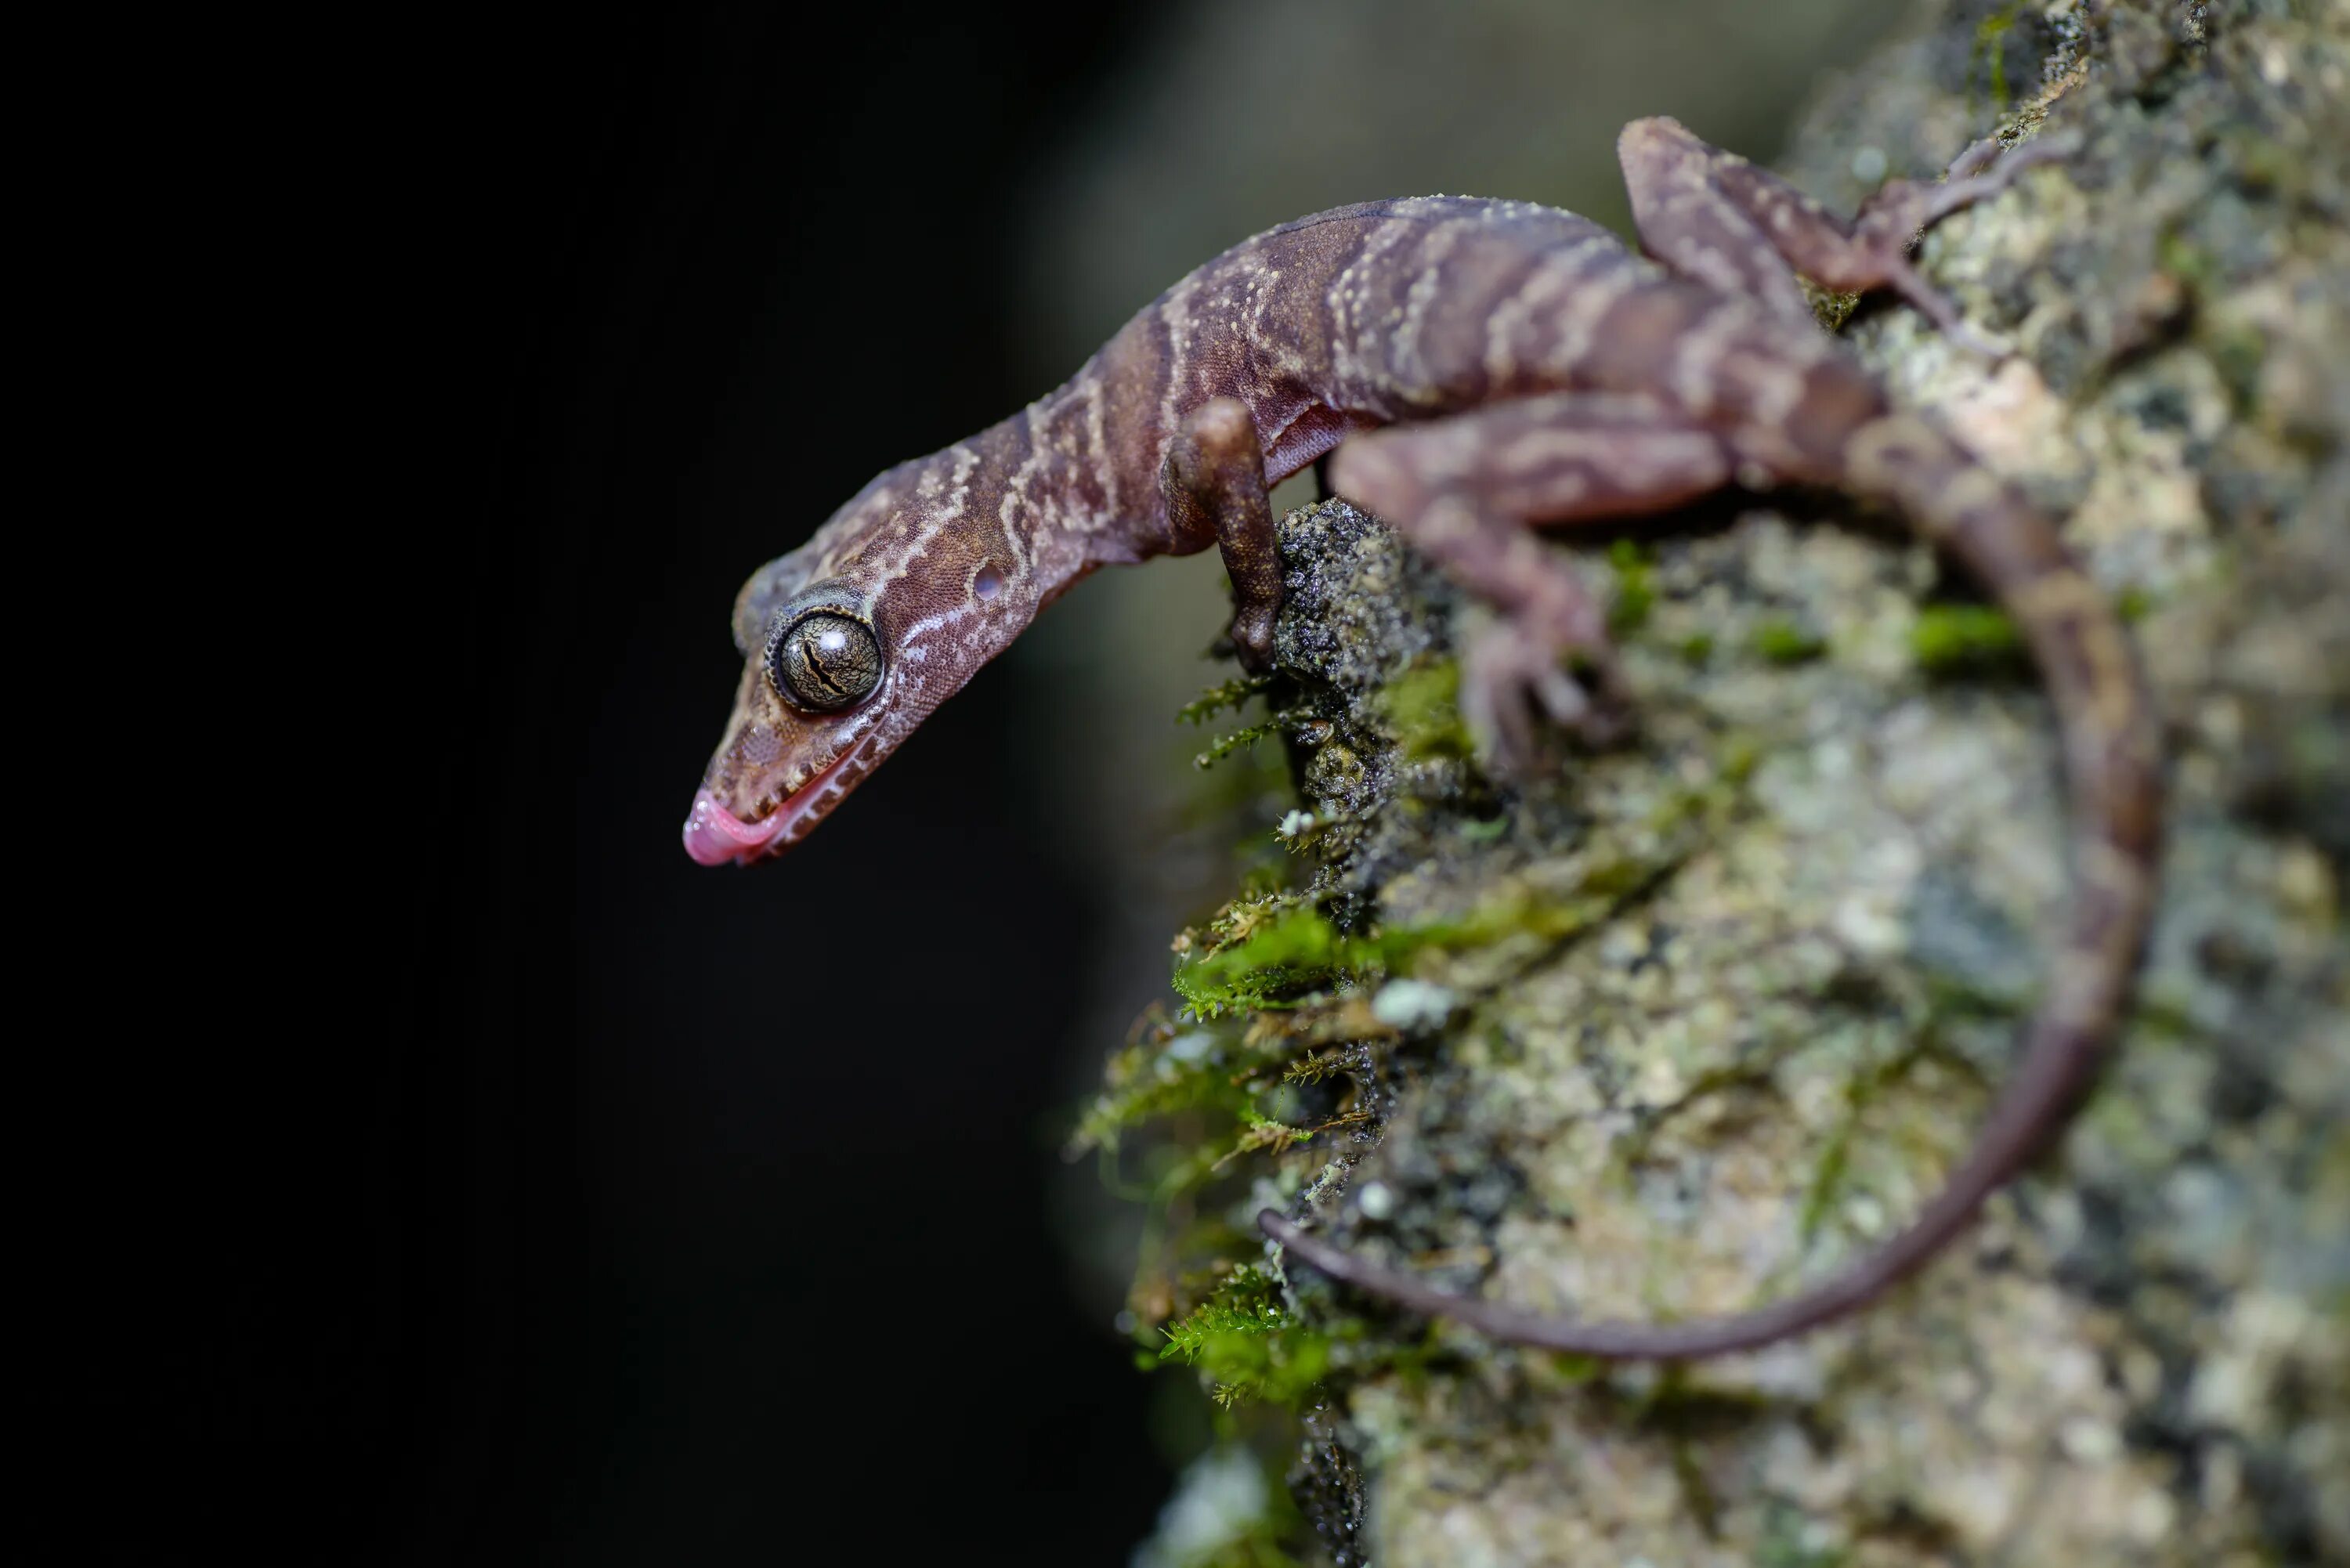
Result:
[[1692, 1021]]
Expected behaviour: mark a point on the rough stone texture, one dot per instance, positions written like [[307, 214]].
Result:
[[1754, 977]]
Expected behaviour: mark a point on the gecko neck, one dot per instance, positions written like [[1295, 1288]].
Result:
[[1079, 483]]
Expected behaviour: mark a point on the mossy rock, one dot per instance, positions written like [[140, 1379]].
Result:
[[1680, 1024]]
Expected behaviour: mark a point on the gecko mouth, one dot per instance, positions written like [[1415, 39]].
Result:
[[713, 835]]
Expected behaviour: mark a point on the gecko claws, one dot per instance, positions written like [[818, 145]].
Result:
[[1956, 328], [1890, 223], [1250, 637], [1935, 306], [2048, 147], [1510, 676], [1983, 170], [1977, 157]]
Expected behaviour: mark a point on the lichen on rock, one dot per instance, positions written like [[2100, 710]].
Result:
[[1683, 1023]]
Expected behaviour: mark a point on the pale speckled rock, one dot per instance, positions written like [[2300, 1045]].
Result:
[[1824, 883]]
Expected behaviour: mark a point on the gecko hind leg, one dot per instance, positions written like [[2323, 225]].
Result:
[[1716, 218], [1463, 490], [1213, 481]]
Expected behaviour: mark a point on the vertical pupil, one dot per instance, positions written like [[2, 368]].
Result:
[[824, 663]]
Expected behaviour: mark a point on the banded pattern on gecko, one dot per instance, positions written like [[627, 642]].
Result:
[[1470, 368]]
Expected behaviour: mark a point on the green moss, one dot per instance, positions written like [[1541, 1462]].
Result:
[[1240, 739], [1247, 1303], [1485, 832], [2167, 1020], [1948, 638], [1159, 1077], [1697, 648], [2187, 262], [1259, 1131], [1636, 589], [1422, 707], [1605, 886], [1827, 1176], [1989, 52], [1782, 641], [1951, 998], [1783, 1542], [1295, 951], [1832, 309], [1697, 1492], [2262, 165], [1247, 1345], [1221, 1073], [1229, 696], [2238, 353], [1835, 1159], [1741, 753], [1500, 917], [1178, 1174]]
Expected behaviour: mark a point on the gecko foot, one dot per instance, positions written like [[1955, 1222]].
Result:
[[1251, 637], [1512, 675], [1983, 170], [1890, 222]]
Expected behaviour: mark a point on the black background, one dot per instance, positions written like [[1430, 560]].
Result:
[[551, 1198]]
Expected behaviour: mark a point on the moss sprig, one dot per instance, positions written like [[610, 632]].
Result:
[[1247, 1344]]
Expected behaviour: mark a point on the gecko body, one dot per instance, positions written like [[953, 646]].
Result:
[[1470, 368]]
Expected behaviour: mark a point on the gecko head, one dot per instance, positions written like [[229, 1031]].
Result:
[[849, 643]]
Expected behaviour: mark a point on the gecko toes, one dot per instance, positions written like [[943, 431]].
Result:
[[1250, 636], [1512, 677]]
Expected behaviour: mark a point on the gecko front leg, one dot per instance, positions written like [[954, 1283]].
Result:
[[1214, 482], [1463, 490]]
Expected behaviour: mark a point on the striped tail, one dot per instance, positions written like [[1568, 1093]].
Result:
[[2107, 725]]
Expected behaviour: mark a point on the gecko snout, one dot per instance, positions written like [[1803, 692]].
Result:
[[713, 835]]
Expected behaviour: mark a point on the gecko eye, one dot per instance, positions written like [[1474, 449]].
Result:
[[823, 662]]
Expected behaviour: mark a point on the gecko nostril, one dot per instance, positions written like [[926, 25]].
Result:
[[988, 582]]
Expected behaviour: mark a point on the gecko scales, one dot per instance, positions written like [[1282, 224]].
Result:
[[1470, 368]]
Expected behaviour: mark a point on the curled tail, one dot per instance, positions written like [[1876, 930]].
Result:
[[2107, 726]]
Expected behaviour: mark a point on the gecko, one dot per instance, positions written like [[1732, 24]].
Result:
[[1465, 370]]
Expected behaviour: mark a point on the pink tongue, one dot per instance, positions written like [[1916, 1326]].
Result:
[[713, 835]]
